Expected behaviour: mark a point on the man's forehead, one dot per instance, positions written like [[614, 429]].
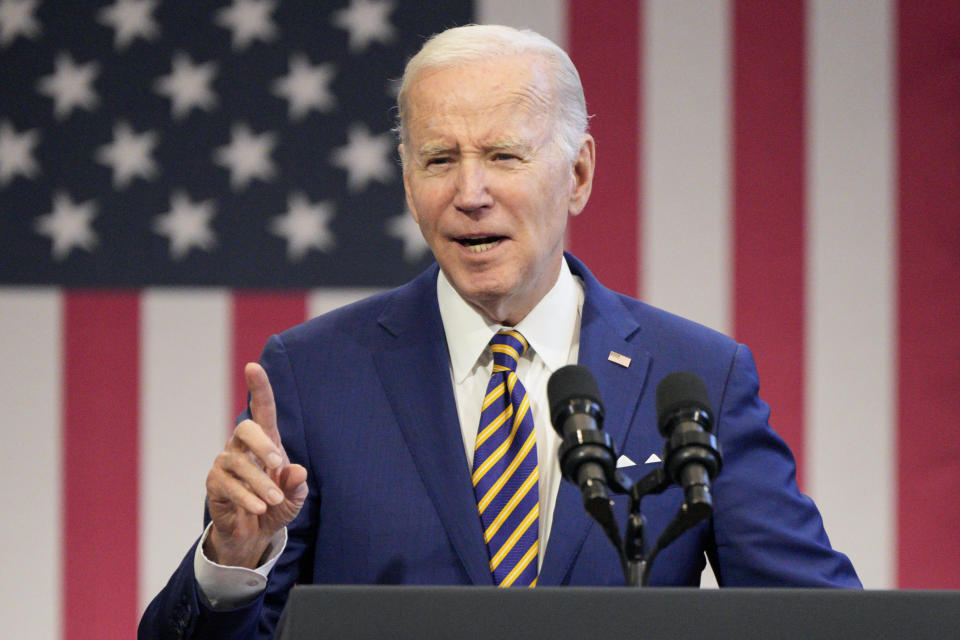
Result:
[[482, 84], [495, 104]]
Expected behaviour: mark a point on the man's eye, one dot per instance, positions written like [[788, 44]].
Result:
[[439, 161], [504, 156]]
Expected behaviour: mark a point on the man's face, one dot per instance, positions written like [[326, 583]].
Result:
[[487, 183]]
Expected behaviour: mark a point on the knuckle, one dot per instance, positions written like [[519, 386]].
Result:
[[224, 460], [213, 483]]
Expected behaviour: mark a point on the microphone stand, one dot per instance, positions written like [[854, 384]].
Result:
[[587, 455], [634, 540], [631, 548], [690, 513]]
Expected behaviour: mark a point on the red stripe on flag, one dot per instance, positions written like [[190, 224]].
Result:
[[256, 316], [604, 43], [929, 290], [100, 464], [768, 194]]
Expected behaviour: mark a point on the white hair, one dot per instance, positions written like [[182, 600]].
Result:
[[477, 43]]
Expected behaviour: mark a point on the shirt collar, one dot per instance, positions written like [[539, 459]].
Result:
[[549, 327]]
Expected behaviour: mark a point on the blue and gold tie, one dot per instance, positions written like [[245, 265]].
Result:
[[505, 469]]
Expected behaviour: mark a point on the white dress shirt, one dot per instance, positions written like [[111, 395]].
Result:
[[552, 330]]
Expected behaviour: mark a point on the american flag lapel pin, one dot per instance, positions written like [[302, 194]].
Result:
[[619, 358]]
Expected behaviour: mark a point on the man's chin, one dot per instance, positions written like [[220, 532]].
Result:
[[479, 281], [484, 296], [487, 296]]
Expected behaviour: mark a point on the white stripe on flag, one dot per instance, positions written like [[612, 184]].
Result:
[[30, 459], [850, 270], [185, 395], [546, 17], [685, 149], [320, 301]]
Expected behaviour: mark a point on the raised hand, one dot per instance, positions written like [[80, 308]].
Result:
[[252, 490]]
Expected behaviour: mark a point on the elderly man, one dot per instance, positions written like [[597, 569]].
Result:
[[406, 438]]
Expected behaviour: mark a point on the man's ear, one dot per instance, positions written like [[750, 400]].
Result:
[[582, 175]]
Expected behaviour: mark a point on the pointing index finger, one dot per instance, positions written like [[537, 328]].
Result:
[[262, 406]]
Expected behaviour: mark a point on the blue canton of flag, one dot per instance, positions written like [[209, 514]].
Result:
[[243, 144]]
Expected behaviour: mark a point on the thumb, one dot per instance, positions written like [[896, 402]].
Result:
[[262, 406], [293, 482]]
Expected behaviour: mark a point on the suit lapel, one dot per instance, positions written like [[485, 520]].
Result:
[[415, 375], [606, 327]]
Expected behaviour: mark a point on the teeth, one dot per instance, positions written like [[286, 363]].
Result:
[[480, 248]]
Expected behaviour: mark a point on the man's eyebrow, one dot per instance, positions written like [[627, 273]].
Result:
[[432, 149], [514, 146]]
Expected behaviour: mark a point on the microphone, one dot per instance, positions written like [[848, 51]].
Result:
[[692, 455], [587, 455]]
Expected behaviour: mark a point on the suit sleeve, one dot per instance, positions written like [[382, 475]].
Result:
[[765, 531], [179, 610]]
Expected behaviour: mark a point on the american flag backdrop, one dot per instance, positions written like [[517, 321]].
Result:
[[178, 180]]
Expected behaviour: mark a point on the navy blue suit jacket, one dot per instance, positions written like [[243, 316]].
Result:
[[365, 403]]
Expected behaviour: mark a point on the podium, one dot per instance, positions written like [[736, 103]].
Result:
[[555, 613]]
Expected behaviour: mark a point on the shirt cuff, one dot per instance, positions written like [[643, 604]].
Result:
[[226, 587]]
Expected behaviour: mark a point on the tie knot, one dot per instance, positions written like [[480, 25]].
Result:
[[508, 346]]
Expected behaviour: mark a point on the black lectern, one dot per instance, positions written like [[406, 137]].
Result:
[[468, 613]]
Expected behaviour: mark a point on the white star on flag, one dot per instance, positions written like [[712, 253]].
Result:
[[247, 156], [248, 20], [304, 226], [70, 85], [68, 225], [16, 153], [130, 19], [188, 85], [306, 86], [17, 19], [408, 231], [366, 21], [129, 155], [365, 157], [186, 225]]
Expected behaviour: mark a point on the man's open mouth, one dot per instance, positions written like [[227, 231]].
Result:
[[479, 245]]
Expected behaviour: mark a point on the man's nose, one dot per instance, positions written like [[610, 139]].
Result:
[[472, 188]]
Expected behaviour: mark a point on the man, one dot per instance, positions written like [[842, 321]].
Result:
[[349, 466]]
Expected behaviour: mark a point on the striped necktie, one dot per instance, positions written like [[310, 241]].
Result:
[[505, 469]]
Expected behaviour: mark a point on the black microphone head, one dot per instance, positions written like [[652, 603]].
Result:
[[680, 391], [571, 382]]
